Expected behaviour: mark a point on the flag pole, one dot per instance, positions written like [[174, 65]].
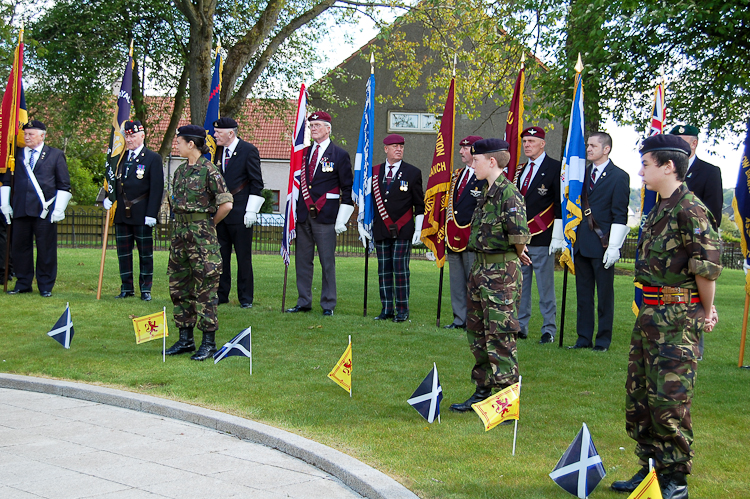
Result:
[[744, 331], [515, 429], [105, 236], [164, 336], [250, 336], [350, 384], [283, 293], [367, 242], [434, 366], [564, 297]]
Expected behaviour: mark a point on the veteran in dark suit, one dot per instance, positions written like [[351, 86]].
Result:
[[599, 237], [539, 184], [239, 163], [465, 189], [139, 189], [397, 224], [703, 178], [323, 209], [41, 194]]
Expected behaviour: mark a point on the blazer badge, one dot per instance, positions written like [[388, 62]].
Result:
[[476, 192], [542, 190], [404, 185]]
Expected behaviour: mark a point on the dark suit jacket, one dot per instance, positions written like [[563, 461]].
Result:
[[704, 179], [609, 205], [397, 202], [51, 172], [323, 182], [244, 165], [543, 190], [150, 182], [463, 206]]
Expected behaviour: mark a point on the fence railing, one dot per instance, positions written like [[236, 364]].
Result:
[[82, 228]]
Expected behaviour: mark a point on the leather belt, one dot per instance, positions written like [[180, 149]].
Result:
[[486, 258], [191, 217], [238, 189], [667, 295]]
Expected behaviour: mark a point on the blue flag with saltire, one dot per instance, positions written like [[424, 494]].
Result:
[[62, 332], [241, 345], [580, 469], [573, 172], [362, 189], [426, 398], [212, 112]]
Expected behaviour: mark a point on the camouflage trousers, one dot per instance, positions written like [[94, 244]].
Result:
[[492, 326], [194, 270], [660, 381]]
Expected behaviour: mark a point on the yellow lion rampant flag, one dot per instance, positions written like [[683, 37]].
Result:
[[341, 373], [648, 489], [500, 407], [150, 327]]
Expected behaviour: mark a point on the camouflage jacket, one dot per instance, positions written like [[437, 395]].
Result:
[[678, 243], [499, 220], [199, 188]]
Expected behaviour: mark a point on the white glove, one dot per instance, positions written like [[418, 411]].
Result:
[[745, 265], [345, 211], [617, 235], [254, 204], [417, 238], [61, 202], [5, 203], [107, 204], [150, 221], [558, 237], [363, 235]]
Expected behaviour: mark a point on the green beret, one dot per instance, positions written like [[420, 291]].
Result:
[[685, 130]]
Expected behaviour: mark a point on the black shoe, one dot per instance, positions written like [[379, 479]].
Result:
[[546, 338], [223, 301], [18, 291], [633, 483], [126, 294], [328, 312], [400, 317], [600, 349], [383, 316], [480, 394], [185, 344], [45, 294], [576, 347], [207, 348], [296, 309], [146, 296], [455, 326], [522, 335], [673, 486], [246, 305]]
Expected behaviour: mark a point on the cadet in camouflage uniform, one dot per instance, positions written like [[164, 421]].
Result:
[[200, 200], [677, 265], [499, 234]]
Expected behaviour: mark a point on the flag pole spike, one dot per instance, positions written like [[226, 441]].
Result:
[[579, 64], [650, 464], [455, 58], [372, 63], [130, 52], [523, 60], [218, 46]]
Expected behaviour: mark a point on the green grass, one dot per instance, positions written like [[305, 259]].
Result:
[[293, 353]]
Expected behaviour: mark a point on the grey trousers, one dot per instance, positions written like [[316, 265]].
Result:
[[459, 266], [309, 235], [543, 266]]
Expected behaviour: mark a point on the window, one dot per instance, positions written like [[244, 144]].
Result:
[[275, 201], [403, 121]]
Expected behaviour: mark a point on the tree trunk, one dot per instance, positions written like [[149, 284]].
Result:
[[174, 119]]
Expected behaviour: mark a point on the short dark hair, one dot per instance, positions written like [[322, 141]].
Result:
[[501, 157], [604, 138], [679, 160]]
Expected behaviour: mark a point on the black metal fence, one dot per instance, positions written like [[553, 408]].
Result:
[[82, 228]]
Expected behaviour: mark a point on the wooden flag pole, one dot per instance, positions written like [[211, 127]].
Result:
[[744, 331], [564, 297], [105, 231], [283, 293], [367, 260]]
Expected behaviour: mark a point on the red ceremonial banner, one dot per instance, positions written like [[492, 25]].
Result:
[[514, 126], [9, 113]]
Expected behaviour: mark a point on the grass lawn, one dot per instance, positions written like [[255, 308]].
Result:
[[293, 353]]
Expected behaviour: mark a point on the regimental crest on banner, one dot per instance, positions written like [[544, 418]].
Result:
[[341, 373], [580, 469], [62, 332], [427, 397], [502, 406], [150, 327]]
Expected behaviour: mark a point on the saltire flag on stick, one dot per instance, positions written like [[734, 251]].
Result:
[[150, 327], [573, 171], [439, 183], [580, 469], [514, 124], [648, 198], [649, 488], [362, 191], [62, 332], [296, 160], [239, 346], [741, 205], [503, 406], [13, 111], [116, 149], [427, 397], [341, 373], [212, 112]]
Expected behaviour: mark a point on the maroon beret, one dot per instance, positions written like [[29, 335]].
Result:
[[393, 139], [320, 116], [533, 131], [469, 141]]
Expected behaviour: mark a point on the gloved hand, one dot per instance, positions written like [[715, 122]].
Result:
[[363, 235], [107, 204], [5, 207], [61, 202], [417, 238], [745, 266], [150, 221], [254, 204], [345, 211], [617, 235], [558, 237]]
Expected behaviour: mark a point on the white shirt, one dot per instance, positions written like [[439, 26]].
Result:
[[136, 152], [532, 171], [37, 154], [229, 149], [598, 169], [322, 146], [394, 167], [691, 161]]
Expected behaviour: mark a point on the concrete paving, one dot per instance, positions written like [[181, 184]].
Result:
[[57, 446]]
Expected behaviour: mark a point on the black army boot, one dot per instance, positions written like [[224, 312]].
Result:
[[184, 344], [207, 348], [481, 393], [673, 486], [630, 485]]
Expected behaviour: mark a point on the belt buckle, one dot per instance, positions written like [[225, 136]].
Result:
[[393, 230], [587, 212], [313, 211]]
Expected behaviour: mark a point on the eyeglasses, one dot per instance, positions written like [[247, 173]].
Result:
[[313, 126]]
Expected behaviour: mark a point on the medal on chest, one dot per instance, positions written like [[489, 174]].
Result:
[[326, 166], [404, 186], [140, 170]]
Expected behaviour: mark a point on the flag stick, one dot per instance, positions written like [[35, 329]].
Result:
[[251, 350], [367, 260], [434, 366], [164, 337], [105, 231], [515, 429], [440, 296], [350, 384], [744, 331], [283, 293], [564, 297]]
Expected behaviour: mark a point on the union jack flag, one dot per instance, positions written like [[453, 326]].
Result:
[[296, 161]]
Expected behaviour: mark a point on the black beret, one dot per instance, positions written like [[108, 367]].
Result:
[[194, 131], [225, 123], [34, 125], [684, 130], [664, 142], [486, 146], [132, 127]]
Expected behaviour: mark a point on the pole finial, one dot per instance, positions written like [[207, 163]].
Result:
[[579, 64], [455, 59], [130, 52], [372, 63]]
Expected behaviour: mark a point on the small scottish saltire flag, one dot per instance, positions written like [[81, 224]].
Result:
[[426, 398], [580, 469], [241, 345], [62, 332]]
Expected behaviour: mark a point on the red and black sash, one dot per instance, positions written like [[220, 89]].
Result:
[[313, 207], [393, 228]]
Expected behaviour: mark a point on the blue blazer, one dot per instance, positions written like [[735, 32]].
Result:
[[543, 190], [463, 206], [51, 172], [145, 176], [323, 182]]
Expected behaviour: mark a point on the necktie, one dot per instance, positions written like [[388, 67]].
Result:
[[313, 162], [463, 183], [32, 161], [527, 180], [389, 177], [128, 163], [593, 178], [226, 160]]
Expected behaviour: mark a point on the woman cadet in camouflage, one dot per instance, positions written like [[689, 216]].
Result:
[[199, 200], [678, 264], [499, 234]]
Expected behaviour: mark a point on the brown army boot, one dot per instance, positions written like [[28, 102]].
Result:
[[207, 348], [184, 344], [481, 393]]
